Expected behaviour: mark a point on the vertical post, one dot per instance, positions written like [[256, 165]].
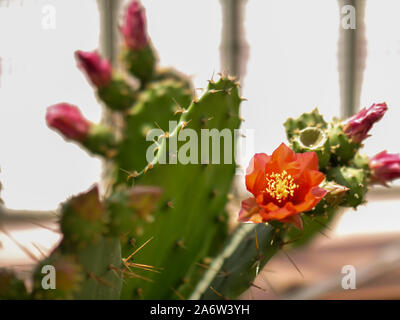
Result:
[[108, 12], [352, 52], [234, 51], [234, 48]]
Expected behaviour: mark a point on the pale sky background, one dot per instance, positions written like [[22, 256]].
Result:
[[292, 69]]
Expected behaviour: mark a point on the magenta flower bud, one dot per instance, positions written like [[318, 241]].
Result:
[[358, 126], [68, 120], [385, 167], [98, 70], [134, 27]]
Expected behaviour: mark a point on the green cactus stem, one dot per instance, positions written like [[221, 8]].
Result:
[[140, 63], [184, 231], [342, 147], [312, 119], [234, 269], [118, 95]]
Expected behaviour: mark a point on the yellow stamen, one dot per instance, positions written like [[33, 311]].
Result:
[[280, 185]]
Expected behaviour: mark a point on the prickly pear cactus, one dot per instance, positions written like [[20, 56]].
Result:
[[159, 231], [188, 223]]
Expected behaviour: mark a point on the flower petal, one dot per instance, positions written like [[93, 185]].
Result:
[[315, 177], [295, 220], [255, 174], [256, 218], [283, 155], [249, 208], [311, 199], [307, 160], [282, 213]]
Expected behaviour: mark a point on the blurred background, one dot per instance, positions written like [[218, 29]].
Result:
[[291, 56]]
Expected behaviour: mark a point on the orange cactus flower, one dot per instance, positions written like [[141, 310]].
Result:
[[283, 185]]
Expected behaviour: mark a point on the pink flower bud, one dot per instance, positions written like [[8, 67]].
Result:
[[98, 70], [385, 167], [134, 27], [357, 126], [68, 120]]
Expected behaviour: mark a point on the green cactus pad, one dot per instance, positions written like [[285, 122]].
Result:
[[342, 148], [354, 179], [118, 95], [187, 228], [103, 266], [234, 270], [161, 102], [101, 141], [83, 220], [140, 63], [89, 274], [127, 207]]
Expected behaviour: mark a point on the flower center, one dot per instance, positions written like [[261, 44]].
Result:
[[280, 185]]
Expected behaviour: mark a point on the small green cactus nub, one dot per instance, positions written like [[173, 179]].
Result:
[[83, 220], [355, 180], [312, 119], [140, 63], [118, 95], [342, 147]]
